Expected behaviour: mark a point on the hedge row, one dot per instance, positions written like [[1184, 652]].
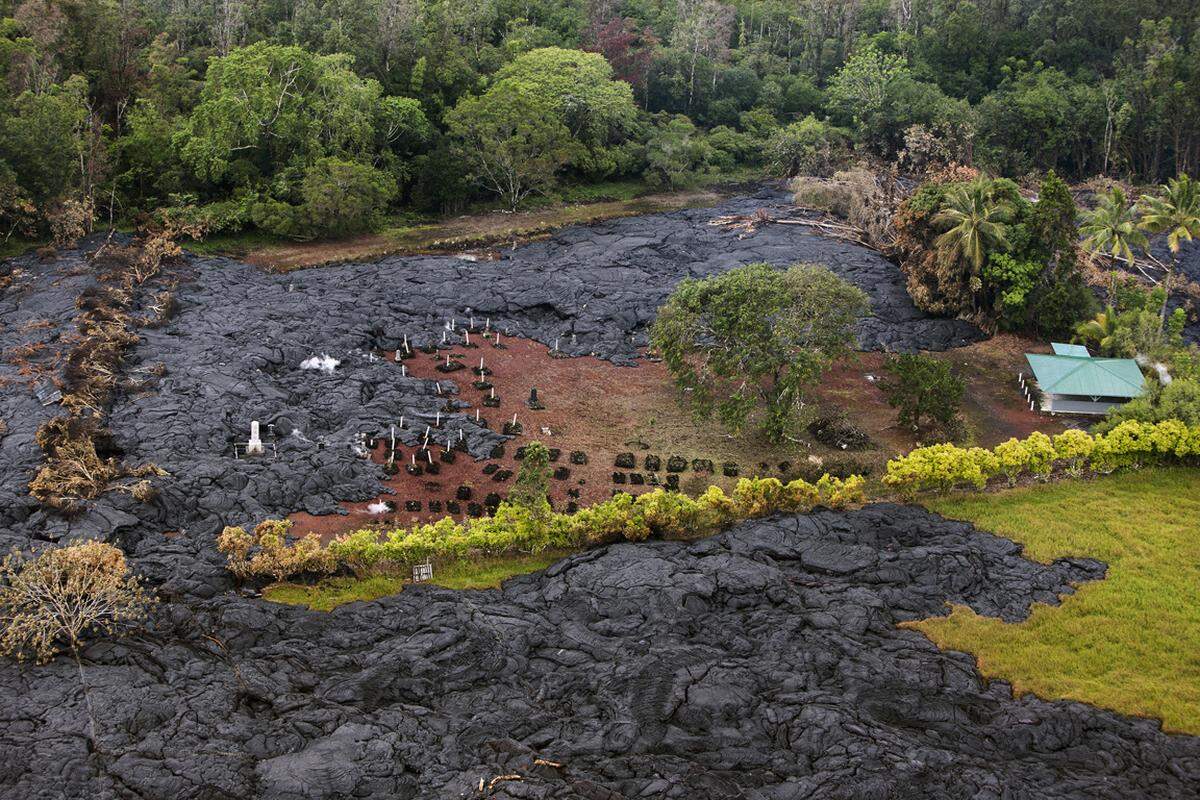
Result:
[[524, 529], [1131, 444]]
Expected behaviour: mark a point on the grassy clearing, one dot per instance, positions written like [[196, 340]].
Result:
[[11, 248], [483, 573], [232, 244], [1128, 642], [487, 573]]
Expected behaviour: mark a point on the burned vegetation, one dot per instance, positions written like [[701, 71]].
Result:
[[81, 460]]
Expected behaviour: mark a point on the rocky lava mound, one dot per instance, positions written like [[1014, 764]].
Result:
[[234, 350]]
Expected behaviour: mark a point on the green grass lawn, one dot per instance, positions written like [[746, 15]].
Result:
[[1130, 642], [330, 593], [482, 573]]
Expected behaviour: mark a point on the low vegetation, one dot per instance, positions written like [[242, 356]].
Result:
[[329, 593], [478, 573], [80, 461], [1127, 642], [1129, 445]]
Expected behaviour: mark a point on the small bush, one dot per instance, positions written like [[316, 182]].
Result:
[[267, 552], [1073, 448], [923, 388]]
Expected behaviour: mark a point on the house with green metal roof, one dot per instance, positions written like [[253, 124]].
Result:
[[1071, 381]]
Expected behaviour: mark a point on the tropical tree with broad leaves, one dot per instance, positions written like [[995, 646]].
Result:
[[974, 224], [1099, 331]]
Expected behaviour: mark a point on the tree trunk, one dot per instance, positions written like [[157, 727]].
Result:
[[1167, 280], [87, 698]]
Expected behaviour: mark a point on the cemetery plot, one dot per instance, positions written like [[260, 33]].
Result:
[[611, 428]]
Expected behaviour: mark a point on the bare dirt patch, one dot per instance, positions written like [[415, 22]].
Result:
[[993, 407], [470, 231]]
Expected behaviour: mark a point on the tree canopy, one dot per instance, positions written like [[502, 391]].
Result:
[[266, 108], [220, 110], [747, 343]]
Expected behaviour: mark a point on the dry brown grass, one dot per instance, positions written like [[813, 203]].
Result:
[[81, 464], [468, 232]]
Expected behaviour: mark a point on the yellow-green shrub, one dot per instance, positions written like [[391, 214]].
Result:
[[800, 495], [1129, 445], [841, 492], [1073, 447], [757, 497], [1013, 458], [719, 506], [1039, 451], [941, 467], [1172, 439], [673, 513]]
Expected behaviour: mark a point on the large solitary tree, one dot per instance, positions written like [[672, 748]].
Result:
[[746, 344], [511, 144]]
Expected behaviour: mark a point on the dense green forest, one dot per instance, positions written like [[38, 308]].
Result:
[[316, 117]]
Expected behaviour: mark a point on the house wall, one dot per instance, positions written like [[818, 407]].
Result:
[[1072, 404]]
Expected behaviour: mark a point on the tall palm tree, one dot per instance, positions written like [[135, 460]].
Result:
[[974, 224], [1176, 212], [1112, 227]]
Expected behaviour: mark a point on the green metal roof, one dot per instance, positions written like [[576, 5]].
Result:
[[1086, 377], [1061, 349]]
